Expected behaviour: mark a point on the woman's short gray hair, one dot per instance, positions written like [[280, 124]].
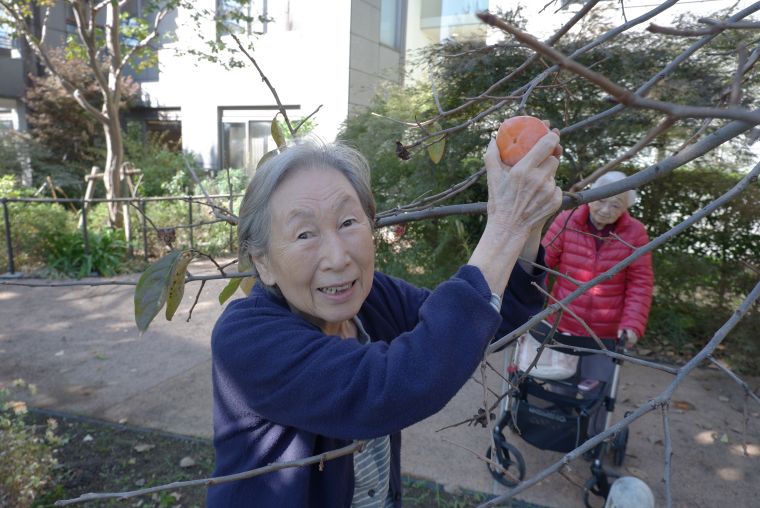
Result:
[[628, 196], [255, 220]]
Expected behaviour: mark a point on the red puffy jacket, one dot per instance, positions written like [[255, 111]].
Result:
[[622, 302]]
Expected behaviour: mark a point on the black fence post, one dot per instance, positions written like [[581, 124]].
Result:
[[190, 220], [7, 220], [144, 229], [85, 235]]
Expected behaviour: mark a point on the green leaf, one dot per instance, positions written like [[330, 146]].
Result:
[[438, 145], [277, 134], [229, 289], [152, 288], [247, 284], [177, 284]]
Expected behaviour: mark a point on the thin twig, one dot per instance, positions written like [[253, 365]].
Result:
[[576, 316], [620, 356], [644, 249], [280, 106], [197, 296], [619, 93], [668, 454], [643, 409], [724, 368], [277, 466]]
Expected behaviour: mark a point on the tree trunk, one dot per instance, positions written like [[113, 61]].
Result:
[[112, 171]]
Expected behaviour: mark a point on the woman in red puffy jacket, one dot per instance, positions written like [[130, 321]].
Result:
[[586, 242]]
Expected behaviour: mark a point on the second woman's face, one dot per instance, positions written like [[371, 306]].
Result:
[[606, 211], [321, 252]]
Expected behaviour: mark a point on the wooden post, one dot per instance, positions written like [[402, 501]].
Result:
[[88, 191]]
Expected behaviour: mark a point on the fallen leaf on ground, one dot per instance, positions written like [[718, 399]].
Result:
[[186, 462], [143, 447], [724, 438], [87, 438], [723, 398], [683, 405]]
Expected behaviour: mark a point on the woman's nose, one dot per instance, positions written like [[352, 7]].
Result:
[[334, 252]]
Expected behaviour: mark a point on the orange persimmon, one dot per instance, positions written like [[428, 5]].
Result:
[[517, 135]]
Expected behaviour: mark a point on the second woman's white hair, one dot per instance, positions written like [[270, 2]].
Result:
[[613, 176]]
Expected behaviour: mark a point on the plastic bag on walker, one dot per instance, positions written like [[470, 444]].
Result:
[[552, 364]]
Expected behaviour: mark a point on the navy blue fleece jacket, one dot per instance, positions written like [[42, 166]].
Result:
[[283, 390]]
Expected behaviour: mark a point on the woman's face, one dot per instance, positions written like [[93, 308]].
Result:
[[321, 250], [606, 211]]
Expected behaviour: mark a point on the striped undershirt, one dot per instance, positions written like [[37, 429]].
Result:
[[372, 464]]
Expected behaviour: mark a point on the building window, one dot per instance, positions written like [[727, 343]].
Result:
[[390, 23], [245, 137], [243, 17], [6, 41]]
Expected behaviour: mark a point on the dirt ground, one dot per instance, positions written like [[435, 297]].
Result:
[[80, 348]]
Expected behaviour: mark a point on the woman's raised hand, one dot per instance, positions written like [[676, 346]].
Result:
[[522, 197]]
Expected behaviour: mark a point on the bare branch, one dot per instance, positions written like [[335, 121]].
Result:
[[576, 316], [610, 34], [663, 126], [197, 296], [627, 357], [736, 90], [619, 93], [643, 409], [668, 454], [277, 466], [710, 208], [723, 367], [715, 28], [266, 81], [668, 69]]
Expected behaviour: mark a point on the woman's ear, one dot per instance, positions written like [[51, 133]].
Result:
[[266, 275]]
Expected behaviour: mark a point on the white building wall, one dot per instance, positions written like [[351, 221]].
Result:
[[308, 66]]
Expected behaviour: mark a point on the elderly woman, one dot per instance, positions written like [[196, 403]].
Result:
[[326, 350], [584, 243]]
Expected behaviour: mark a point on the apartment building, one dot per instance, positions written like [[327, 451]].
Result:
[[329, 54]]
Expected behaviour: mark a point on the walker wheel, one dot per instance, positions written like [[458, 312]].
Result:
[[509, 458], [619, 445]]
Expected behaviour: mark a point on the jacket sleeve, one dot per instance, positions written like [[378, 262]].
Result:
[[639, 281], [521, 300], [279, 366], [553, 240]]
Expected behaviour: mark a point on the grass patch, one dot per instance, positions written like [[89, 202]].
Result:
[[98, 456]]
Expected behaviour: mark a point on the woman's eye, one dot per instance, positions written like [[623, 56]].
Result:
[[303, 236], [348, 222]]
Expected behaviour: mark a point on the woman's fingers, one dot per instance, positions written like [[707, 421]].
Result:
[[544, 147]]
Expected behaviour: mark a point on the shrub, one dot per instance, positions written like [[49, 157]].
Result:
[[32, 226], [27, 458], [66, 253], [151, 154]]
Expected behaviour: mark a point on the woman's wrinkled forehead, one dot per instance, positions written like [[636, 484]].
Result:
[[618, 200], [303, 183]]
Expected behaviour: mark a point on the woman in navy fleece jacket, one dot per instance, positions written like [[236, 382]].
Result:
[[325, 350]]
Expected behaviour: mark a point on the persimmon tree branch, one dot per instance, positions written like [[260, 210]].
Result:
[[697, 216], [277, 466], [619, 93], [610, 34], [666, 71], [657, 402]]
